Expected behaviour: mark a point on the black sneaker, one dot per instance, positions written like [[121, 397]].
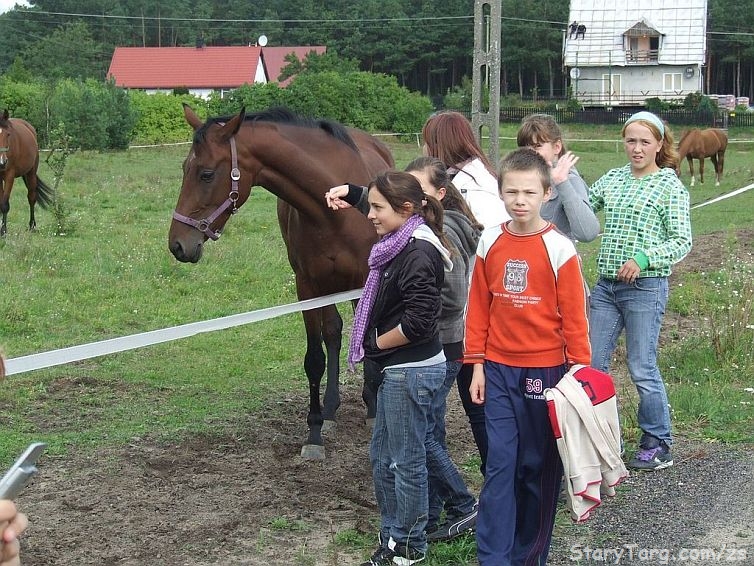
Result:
[[404, 555], [382, 557], [454, 527], [653, 454]]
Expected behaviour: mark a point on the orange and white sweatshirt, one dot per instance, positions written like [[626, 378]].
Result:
[[527, 301]]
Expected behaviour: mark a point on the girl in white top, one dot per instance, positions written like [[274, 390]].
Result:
[[449, 137]]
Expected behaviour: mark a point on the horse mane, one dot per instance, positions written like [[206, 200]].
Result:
[[283, 115]]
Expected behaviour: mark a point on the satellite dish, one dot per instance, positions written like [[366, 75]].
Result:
[[262, 41], [575, 72]]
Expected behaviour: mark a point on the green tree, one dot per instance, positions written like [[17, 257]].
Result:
[[69, 52], [316, 63]]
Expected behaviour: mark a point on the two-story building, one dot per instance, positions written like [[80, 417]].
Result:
[[621, 54]]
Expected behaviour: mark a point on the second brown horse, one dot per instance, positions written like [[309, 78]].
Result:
[[700, 144]]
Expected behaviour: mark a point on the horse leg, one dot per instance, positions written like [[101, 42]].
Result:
[[372, 380], [30, 179], [332, 334], [701, 170], [314, 366], [713, 158], [720, 163], [691, 169], [5, 187]]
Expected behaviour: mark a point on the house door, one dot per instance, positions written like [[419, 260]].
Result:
[[611, 89]]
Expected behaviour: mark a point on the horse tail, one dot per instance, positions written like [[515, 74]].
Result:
[[45, 194]]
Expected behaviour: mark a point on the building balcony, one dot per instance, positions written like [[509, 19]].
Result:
[[642, 56]]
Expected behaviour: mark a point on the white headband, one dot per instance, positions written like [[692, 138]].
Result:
[[648, 117]]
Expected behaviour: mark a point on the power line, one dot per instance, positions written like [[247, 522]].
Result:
[[255, 21]]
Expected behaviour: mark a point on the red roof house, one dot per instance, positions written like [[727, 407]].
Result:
[[274, 59], [200, 70]]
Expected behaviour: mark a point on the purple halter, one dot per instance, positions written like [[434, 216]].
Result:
[[230, 202]]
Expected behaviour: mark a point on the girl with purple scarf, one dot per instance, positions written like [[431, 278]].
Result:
[[396, 332]]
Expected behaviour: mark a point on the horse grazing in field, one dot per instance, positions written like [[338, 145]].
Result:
[[698, 144], [297, 159], [19, 157]]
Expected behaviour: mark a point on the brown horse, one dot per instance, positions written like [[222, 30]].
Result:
[[297, 159], [698, 144], [19, 157]]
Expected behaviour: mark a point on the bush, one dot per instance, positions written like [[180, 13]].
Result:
[[27, 101], [369, 101], [160, 117], [254, 98], [95, 115]]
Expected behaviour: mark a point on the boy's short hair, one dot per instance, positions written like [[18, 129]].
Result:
[[525, 159]]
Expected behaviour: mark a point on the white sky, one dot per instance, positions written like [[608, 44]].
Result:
[[6, 5]]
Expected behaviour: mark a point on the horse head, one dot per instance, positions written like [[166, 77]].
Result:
[[210, 191], [5, 134]]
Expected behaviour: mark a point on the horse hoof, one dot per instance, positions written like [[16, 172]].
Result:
[[313, 452], [329, 427], [369, 421]]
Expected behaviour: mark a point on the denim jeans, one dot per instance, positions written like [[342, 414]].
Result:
[[398, 453], [446, 486], [638, 308]]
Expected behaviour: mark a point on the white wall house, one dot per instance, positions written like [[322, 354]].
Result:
[[621, 54]]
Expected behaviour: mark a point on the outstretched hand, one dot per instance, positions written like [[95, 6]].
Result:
[[334, 197], [565, 163]]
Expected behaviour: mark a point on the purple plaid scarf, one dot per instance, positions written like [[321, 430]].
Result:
[[383, 252]]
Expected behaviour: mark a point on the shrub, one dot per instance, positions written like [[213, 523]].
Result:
[[25, 100], [370, 101], [160, 117], [254, 98], [95, 115]]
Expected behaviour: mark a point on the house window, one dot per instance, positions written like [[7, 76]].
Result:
[[611, 89], [672, 82]]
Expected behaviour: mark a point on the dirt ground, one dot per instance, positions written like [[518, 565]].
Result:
[[245, 496]]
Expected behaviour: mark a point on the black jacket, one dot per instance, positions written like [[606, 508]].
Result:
[[409, 295]]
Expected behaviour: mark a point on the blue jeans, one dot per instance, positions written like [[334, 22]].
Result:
[[446, 486], [398, 453], [638, 308]]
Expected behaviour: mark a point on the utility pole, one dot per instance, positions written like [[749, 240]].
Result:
[[486, 76]]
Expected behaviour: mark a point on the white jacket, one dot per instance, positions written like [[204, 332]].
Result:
[[479, 187], [584, 418]]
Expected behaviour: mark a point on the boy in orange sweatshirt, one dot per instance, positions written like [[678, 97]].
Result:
[[526, 324]]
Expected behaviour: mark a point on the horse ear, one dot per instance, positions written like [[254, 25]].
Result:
[[193, 120], [231, 128], [5, 114]]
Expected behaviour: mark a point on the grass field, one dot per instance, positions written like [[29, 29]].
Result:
[[111, 275]]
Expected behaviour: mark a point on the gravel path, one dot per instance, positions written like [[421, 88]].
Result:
[[699, 511]]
